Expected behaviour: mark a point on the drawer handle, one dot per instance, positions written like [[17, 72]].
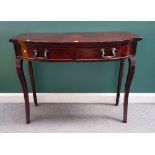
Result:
[[44, 55], [109, 56]]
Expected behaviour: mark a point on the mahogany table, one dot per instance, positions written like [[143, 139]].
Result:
[[75, 47]]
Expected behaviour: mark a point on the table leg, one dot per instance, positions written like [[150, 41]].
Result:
[[120, 80], [19, 68], [30, 67], [131, 70]]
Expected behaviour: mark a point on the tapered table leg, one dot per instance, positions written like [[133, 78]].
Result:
[[131, 70], [119, 81], [19, 68], [30, 67]]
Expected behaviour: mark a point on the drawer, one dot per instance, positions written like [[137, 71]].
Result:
[[105, 53], [79, 54], [42, 53]]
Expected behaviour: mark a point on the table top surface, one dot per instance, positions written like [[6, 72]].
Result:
[[83, 37]]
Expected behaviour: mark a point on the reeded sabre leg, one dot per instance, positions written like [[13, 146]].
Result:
[[131, 70], [120, 80], [19, 68], [32, 82]]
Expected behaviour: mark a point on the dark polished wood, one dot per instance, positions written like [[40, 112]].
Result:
[[119, 81], [132, 62], [19, 68], [76, 38], [76, 47], [30, 67]]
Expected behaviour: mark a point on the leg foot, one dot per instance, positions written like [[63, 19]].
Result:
[[28, 122]]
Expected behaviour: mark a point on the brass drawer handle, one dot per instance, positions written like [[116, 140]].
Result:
[[44, 55], [109, 56]]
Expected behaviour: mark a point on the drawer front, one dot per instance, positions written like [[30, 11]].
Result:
[[77, 54], [105, 53], [46, 54]]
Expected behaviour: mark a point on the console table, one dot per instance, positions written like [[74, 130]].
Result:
[[75, 47]]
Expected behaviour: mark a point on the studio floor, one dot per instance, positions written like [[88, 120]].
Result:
[[77, 118]]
